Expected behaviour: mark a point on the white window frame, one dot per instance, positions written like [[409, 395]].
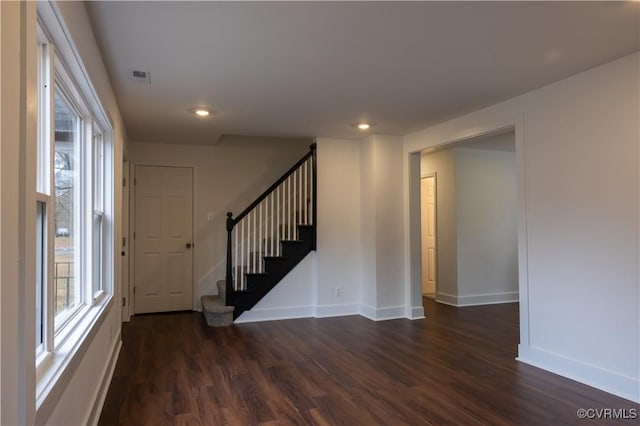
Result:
[[43, 185], [61, 69], [61, 86], [98, 193]]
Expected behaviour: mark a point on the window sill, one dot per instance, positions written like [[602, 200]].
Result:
[[55, 369]]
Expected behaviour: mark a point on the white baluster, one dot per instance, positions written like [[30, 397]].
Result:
[[300, 205], [242, 244], [310, 188], [236, 234], [278, 220], [248, 245], [286, 206], [260, 207], [263, 236], [284, 210], [311, 195], [280, 217], [253, 246], [238, 283], [289, 208], [306, 204]]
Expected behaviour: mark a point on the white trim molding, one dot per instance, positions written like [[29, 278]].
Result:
[[477, 299], [105, 380], [588, 374], [274, 314], [415, 313], [325, 311], [382, 314]]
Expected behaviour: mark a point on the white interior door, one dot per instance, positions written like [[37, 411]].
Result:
[[428, 224], [163, 239]]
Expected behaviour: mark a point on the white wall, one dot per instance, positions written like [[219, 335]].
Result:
[[310, 288], [88, 371], [486, 207], [338, 246], [369, 289], [17, 151], [293, 297], [359, 238], [578, 184], [387, 178], [228, 177], [81, 399], [382, 292], [91, 375], [476, 223]]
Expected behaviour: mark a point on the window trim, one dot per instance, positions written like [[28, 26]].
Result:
[[97, 210], [56, 366]]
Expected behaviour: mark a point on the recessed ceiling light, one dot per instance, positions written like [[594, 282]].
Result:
[[201, 112], [364, 126]]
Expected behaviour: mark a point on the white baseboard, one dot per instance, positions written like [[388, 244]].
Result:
[[273, 314], [477, 299], [605, 380], [337, 310], [382, 314], [368, 311], [415, 313], [105, 380]]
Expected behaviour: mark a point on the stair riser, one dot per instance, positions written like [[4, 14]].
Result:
[[278, 266], [295, 250]]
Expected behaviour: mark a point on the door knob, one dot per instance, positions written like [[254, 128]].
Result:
[[188, 245]]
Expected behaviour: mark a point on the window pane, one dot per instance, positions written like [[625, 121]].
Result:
[[66, 173], [40, 276]]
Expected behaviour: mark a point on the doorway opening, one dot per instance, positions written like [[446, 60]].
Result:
[[428, 238], [468, 217]]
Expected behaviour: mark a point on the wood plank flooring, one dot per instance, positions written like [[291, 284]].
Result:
[[456, 367]]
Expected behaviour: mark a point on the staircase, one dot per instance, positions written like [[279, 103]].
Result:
[[266, 241]]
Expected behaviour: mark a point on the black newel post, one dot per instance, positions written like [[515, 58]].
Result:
[[314, 185], [229, 279]]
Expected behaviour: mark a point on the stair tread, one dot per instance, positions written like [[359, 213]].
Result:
[[266, 274], [215, 304], [212, 298], [292, 241], [276, 257]]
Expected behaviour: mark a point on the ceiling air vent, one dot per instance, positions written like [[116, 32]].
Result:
[[142, 77]]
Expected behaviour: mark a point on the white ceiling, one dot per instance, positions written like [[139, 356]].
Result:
[[300, 69]]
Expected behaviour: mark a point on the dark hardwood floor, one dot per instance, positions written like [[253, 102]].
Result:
[[456, 367]]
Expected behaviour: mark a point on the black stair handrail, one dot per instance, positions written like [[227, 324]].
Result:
[[232, 222], [265, 194]]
